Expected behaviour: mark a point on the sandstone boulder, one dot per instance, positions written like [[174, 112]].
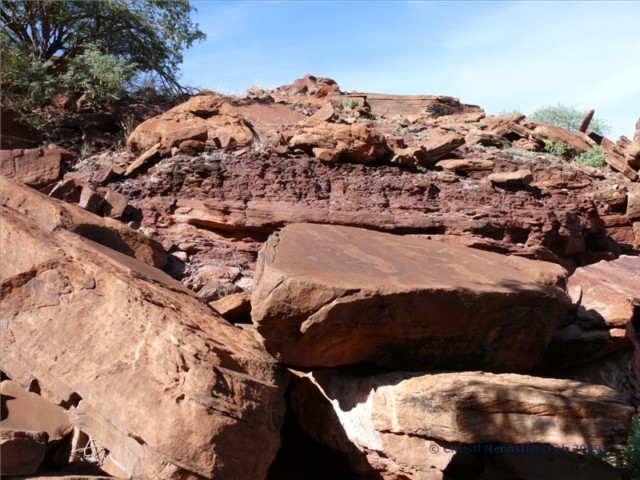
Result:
[[605, 292], [519, 178], [206, 118], [328, 295], [618, 161], [53, 215], [434, 106], [410, 425], [438, 144], [312, 85], [22, 451], [166, 386], [466, 164], [36, 167], [633, 206], [330, 142], [411, 156], [27, 411], [235, 308], [325, 113], [556, 134]]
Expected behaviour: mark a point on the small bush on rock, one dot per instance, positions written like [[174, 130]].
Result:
[[593, 157], [559, 149]]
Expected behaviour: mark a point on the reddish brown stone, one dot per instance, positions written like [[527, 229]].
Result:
[[151, 373], [27, 411], [114, 204], [54, 215], [519, 178], [402, 425], [90, 200], [605, 292], [336, 142], [327, 296], [438, 144], [36, 167], [22, 452], [67, 189]]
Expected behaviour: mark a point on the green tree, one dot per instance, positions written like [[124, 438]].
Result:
[[94, 46], [567, 117]]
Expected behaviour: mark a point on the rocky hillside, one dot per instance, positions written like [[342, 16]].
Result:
[[308, 283]]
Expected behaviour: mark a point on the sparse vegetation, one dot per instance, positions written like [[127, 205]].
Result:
[[567, 117], [517, 152], [350, 104], [559, 149], [593, 157]]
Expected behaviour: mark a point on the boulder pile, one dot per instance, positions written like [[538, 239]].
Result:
[[309, 283]]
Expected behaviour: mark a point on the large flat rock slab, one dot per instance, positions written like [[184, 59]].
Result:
[[153, 375], [331, 295], [411, 425]]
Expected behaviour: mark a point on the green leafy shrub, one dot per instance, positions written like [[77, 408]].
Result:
[[89, 47], [103, 78], [559, 149], [350, 104], [628, 459], [594, 157], [567, 117]]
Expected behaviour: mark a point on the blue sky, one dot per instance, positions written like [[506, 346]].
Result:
[[499, 55]]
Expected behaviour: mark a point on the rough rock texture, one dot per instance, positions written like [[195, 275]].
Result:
[[330, 142], [235, 307], [606, 291], [387, 422], [467, 164], [193, 204], [54, 215], [165, 385], [35, 167], [438, 144], [519, 178], [207, 118], [557, 134], [594, 344], [327, 296], [22, 451], [27, 411], [430, 105]]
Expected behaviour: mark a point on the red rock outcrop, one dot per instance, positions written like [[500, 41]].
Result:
[[206, 118], [328, 296], [36, 167], [411, 425], [54, 215], [429, 105], [331, 142], [605, 292], [155, 377], [597, 341]]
